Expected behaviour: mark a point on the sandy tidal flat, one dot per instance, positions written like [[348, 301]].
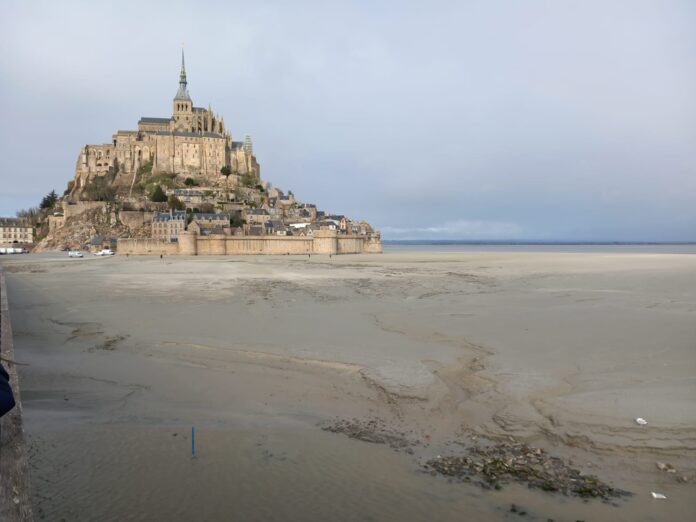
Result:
[[560, 351]]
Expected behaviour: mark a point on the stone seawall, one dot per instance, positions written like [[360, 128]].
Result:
[[15, 504], [323, 242], [151, 247]]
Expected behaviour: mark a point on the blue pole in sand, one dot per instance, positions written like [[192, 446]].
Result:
[[193, 441]]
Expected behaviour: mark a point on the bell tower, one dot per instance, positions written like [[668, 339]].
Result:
[[183, 106]]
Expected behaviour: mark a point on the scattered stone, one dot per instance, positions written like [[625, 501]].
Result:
[[373, 430], [516, 462]]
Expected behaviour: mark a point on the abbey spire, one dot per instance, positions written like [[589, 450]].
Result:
[[182, 93]]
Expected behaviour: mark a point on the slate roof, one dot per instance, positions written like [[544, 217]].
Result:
[[211, 217], [166, 216], [190, 134], [13, 222], [147, 119]]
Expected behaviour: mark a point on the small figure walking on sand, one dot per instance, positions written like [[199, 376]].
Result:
[[160, 256]]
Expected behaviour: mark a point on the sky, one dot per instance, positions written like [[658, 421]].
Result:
[[505, 120]]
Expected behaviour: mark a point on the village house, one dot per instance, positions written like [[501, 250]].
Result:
[[188, 196], [167, 226], [15, 230], [203, 228], [276, 227], [211, 219], [326, 224], [255, 216]]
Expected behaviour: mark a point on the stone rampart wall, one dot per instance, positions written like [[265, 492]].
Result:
[[323, 242], [147, 247]]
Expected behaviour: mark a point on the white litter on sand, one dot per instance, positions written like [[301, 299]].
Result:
[[641, 421], [657, 495]]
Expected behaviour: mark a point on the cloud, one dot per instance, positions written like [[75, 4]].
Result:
[[458, 229]]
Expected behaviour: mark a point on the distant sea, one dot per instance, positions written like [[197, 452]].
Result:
[[536, 246]]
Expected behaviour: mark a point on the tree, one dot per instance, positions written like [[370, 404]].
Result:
[[237, 222], [99, 189], [175, 203], [226, 171], [158, 195], [49, 200], [31, 215], [189, 182], [248, 179], [113, 171]]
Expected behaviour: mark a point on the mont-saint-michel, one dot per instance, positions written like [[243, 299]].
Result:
[[522, 347], [182, 185]]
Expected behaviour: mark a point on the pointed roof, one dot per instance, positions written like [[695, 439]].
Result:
[[182, 93]]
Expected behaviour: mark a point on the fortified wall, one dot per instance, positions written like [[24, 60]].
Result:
[[191, 244]]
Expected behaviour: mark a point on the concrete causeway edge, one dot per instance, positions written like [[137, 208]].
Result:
[[15, 492]]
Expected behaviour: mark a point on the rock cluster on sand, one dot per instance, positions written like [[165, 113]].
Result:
[[373, 430], [517, 462]]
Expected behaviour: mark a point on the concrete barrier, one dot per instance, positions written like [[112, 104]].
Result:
[[15, 497]]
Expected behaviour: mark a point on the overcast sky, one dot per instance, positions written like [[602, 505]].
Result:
[[468, 120]]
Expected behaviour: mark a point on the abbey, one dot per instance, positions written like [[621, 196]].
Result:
[[192, 142]]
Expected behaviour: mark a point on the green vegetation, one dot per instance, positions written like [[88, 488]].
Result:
[[175, 203], [113, 171], [225, 171], [143, 172], [248, 180], [49, 200], [190, 182], [236, 221], [145, 168], [99, 189], [158, 195]]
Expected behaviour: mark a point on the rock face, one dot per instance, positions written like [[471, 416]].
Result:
[[81, 228]]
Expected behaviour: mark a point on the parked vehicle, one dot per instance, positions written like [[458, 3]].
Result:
[[12, 250], [105, 252], [75, 253]]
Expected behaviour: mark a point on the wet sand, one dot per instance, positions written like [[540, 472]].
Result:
[[558, 350]]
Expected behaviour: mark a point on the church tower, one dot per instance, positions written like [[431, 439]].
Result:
[[183, 106]]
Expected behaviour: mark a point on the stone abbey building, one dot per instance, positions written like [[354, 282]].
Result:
[[192, 142]]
